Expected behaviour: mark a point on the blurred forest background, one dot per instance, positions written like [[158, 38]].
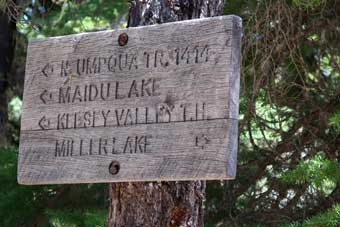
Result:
[[289, 128]]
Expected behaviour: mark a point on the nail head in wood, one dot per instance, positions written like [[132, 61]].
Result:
[[123, 39], [114, 167]]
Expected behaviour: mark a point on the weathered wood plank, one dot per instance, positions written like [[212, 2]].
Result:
[[172, 82], [163, 152]]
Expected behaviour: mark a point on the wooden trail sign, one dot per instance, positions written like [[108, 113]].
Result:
[[140, 104]]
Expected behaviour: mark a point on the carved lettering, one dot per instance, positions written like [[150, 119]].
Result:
[[196, 53], [64, 68], [105, 92], [64, 95], [136, 144], [63, 148], [133, 90], [166, 112]]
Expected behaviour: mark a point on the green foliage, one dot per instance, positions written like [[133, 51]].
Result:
[[288, 160], [335, 121], [220, 225], [74, 218], [52, 205], [14, 109], [320, 172], [18, 202], [331, 218], [309, 4], [69, 17], [3, 5]]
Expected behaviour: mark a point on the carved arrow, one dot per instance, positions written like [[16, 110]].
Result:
[[44, 123], [201, 141], [45, 94], [47, 70]]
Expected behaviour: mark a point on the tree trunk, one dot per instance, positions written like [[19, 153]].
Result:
[[7, 46], [161, 203]]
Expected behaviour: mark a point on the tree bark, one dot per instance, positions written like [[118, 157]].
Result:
[[161, 203], [7, 46]]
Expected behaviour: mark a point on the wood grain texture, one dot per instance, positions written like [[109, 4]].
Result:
[[165, 106]]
